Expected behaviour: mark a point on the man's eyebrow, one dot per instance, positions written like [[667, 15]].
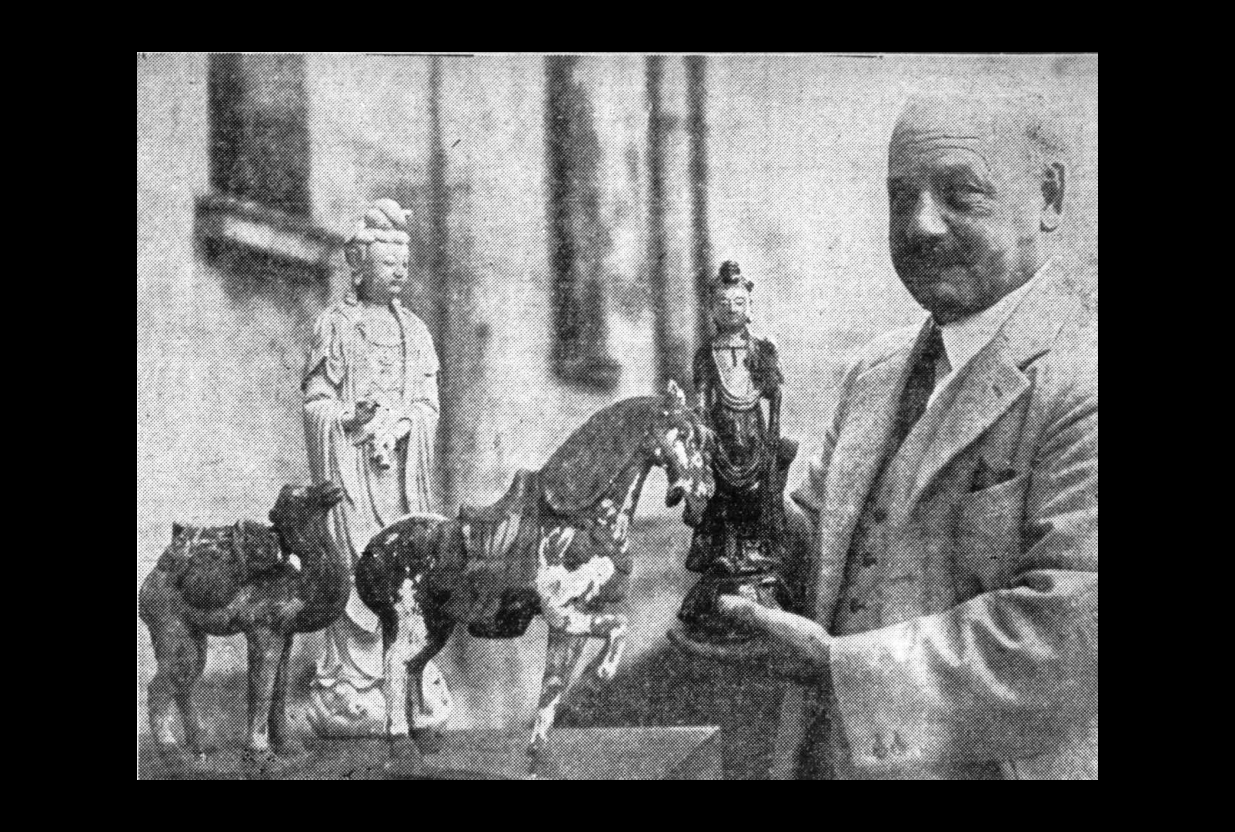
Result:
[[959, 168]]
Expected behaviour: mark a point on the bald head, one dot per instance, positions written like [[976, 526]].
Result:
[[975, 183], [1015, 128]]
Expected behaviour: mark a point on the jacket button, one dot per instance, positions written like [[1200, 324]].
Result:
[[879, 514], [855, 605], [868, 560]]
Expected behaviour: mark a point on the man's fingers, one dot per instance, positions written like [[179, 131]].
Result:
[[755, 615], [739, 608], [777, 625], [728, 654]]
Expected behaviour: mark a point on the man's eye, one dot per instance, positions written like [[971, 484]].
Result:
[[967, 192], [900, 198]]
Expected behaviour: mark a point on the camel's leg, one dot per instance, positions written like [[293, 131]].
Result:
[[280, 737], [561, 656], [174, 652], [159, 693], [264, 650], [193, 665]]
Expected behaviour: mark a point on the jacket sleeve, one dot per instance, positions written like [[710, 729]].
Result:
[[804, 504], [1008, 673], [807, 499]]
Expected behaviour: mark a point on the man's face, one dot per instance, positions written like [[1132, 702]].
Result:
[[731, 308], [964, 221], [384, 272]]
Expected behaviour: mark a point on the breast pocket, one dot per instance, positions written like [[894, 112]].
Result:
[[987, 534]]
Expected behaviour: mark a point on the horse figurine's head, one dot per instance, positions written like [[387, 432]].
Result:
[[640, 431], [683, 445]]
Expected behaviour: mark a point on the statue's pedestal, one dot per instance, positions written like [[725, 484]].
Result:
[[658, 753]]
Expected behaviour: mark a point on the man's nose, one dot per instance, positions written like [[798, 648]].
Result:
[[926, 219]]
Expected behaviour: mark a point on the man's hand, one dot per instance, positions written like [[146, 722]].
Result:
[[789, 646]]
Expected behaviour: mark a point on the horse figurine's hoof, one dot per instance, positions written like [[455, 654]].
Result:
[[291, 750], [405, 758], [428, 740], [541, 764]]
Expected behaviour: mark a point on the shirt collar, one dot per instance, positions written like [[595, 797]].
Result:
[[967, 337]]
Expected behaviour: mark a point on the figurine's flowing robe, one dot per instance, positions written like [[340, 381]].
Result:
[[349, 361]]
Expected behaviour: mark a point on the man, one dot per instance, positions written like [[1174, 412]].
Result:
[[951, 576]]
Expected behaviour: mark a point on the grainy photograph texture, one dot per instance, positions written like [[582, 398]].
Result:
[[523, 416]]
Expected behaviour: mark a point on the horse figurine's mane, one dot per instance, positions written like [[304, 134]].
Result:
[[576, 475]]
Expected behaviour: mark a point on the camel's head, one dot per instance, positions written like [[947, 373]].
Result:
[[299, 516], [684, 446]]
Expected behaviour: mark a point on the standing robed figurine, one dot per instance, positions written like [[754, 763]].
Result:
[[371, 412], [738, 547]]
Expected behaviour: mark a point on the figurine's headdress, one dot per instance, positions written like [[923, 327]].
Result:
[[731, 275], [384, 222]]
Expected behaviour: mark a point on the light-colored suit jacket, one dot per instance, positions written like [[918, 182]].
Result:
[[1006, 680]]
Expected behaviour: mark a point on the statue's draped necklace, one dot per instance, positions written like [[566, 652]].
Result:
[[741, 455], [385, 350], [731, 356]]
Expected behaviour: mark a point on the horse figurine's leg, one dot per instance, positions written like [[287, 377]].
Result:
[[419, 636], [569, 630], [612, 627], [438, 626], [561, 656], [398, 651]]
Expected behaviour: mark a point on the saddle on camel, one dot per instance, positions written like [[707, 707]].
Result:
[[555, 544]]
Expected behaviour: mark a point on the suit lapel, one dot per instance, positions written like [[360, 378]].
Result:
[[987, 388], [989, 385]]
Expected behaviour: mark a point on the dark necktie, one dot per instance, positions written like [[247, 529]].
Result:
[[918, 388]]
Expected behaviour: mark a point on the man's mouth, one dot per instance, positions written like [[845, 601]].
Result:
[[930, 271]]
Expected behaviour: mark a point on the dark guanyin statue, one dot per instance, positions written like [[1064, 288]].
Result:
[[738, 547]]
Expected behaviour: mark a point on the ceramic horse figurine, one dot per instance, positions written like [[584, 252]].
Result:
[[556, 544]]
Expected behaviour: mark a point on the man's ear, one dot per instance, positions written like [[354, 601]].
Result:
[[1053, 176]]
